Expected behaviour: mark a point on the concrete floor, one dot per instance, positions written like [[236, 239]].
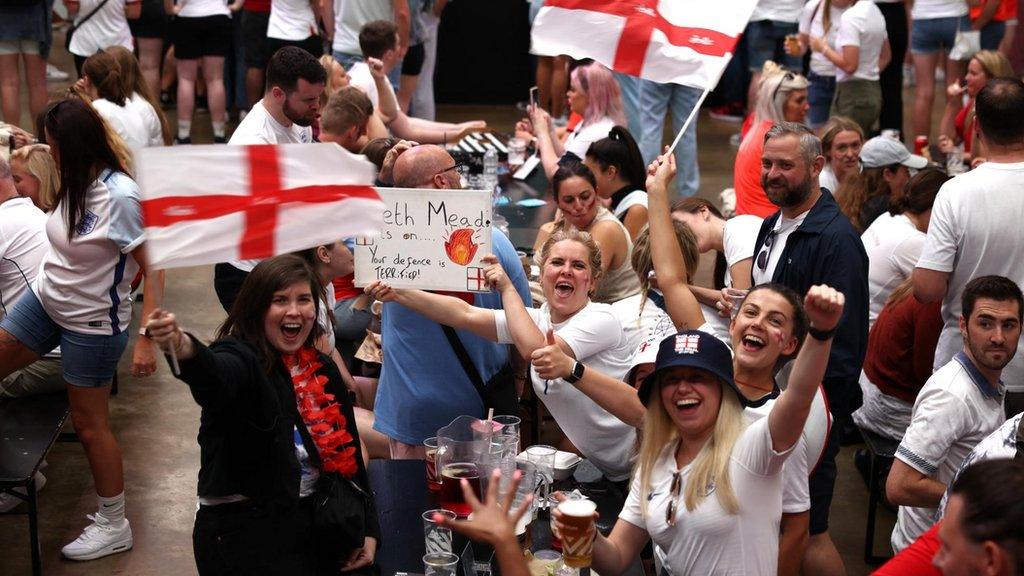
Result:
[[156, 421]]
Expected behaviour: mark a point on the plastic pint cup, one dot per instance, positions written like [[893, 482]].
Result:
[[577, 532]]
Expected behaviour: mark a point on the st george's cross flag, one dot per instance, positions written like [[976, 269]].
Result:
[[670, 41], [208, 204]]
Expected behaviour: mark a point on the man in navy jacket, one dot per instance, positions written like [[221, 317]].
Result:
[[810, 241]]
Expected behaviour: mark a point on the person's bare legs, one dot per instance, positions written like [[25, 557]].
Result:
[[377, 444], [545, 64], [13, 354], [822, 558], [924, 92], [253, 85], [406, 89], [955, 70], [213, 74], [91, 416], [35, 76], [10, 88], [170, 71], [150, 54], [187, 70], [559, 85]]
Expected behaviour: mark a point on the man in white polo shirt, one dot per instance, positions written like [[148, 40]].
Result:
[[960, 405], [977, 224]]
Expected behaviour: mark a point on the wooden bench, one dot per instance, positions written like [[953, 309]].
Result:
[[883, 451], [28, 428]]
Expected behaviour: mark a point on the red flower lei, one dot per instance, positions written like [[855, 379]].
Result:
[[321, 414]]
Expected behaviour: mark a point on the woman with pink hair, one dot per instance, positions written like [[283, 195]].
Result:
[[593, 94]]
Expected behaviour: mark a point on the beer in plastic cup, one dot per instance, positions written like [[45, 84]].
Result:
[[578, 531]]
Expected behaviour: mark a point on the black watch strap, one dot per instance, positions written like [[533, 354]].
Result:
[[822, 335], [576, 374]]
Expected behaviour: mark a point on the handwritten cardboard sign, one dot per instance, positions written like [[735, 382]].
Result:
[[431, 240]]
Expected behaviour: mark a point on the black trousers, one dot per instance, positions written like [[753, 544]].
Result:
[[891, 79]]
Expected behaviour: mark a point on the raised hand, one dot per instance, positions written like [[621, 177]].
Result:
[[163, 330], [378, 290], [660, 173], [824, 306], [388, 166], [493, 522], [376, 68], [550, 361], [495, 274]]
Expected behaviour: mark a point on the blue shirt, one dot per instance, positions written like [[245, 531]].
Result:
[[422, 385]]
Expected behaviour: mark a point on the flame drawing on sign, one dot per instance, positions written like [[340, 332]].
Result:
[[460, 247]]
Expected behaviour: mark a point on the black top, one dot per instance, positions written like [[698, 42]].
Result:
[[619, 196], [246, 437]]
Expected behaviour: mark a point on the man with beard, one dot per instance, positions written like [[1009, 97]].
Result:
[[808, 242], [289, 106], [959, 406]]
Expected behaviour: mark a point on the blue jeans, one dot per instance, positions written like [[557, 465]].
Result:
[[820, 93], [630, 88], [992, 34], [655, 100]]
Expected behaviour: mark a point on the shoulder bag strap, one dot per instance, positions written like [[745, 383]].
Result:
[[464, 359], [92, 13]]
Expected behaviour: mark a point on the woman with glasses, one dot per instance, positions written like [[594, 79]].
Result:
[[575, 190], [80, 302], [781, 96]]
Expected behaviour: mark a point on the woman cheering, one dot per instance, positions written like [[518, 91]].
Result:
[[275, 428]]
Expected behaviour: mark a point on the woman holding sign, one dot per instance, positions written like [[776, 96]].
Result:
[[588, 331], [80, 302]]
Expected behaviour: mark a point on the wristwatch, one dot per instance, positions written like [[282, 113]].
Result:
[[576, 374]]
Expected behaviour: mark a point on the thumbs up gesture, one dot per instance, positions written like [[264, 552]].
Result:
[[551, 362]]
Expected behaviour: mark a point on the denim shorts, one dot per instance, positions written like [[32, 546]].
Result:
[[820, 92], [8, 47], [88, 360], [765, 41], [936, 34]]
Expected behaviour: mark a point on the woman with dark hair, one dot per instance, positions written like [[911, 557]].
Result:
[[895, 240], [141, 97], [575, 190], [80, 302], [620, 174], [733, 239], [886, 166], [275, 428], [102, 82]]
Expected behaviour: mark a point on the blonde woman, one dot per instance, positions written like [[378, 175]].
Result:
[[841, 141], [35, 175], [982, 67]]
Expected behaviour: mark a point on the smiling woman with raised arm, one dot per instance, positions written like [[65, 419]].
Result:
[[276, 432], [587, 331]]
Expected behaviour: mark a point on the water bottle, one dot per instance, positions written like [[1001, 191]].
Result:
[[491, 169]]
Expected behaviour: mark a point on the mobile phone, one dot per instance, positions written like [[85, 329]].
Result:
[[533, 96]]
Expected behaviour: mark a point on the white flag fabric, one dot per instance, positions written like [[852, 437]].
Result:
[[670, 41], [208, 204]]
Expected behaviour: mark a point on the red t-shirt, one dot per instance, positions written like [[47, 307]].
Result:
[[344, 287], [901, 347], [965, 129], [262, 6], [915, 559], [1007, 11], [750, 196]]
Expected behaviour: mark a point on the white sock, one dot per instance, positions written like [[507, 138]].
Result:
[[184, 129], [111, 509], [218, 129]]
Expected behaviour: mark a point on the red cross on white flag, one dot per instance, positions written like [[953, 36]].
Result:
[[208, 204], [475, 280], [678, 41]]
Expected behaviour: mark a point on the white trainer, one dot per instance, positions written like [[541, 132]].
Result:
[[100, 539], [54, 74], [9, 502]]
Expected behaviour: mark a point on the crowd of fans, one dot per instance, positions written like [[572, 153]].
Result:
[[857, 287]]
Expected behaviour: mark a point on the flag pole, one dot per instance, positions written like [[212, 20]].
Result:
[[689, 119]]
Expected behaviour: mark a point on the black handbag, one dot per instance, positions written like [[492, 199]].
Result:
[[499, 392], [339, 513], [71, 29]]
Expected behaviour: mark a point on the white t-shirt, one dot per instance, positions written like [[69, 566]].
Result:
[[107, 27], [976, 230], [1001, 444], [634, 198], [709, 540], [812, 23], [927, 9], [23, 245], [640, 324], [783, 228], [739, 238], [893, 245], [360, 77], [150, 119], [827, 178], [126, 120], [291, 20], [84, 284], [586, 134], [862, 25], [778, 10], [201, 8], [349, 17], [259, 127], [598, 341], [951, 415]]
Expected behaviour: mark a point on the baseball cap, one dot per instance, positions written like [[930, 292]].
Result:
[[694, 349], [883, 151]]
